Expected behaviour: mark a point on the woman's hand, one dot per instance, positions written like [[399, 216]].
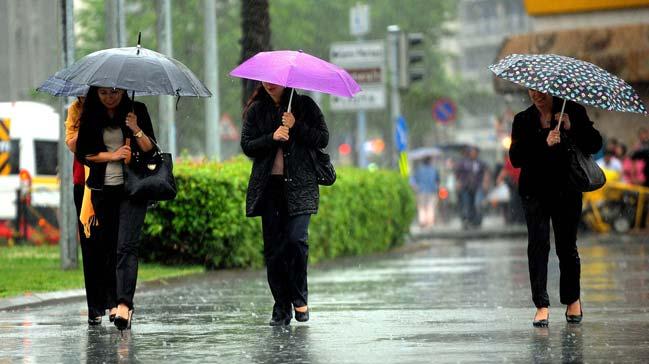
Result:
[[288, 120], [131, 122], [281, 134], [565, 120], [124, 152], [553, 138]]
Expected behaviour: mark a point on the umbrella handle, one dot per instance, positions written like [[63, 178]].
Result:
[[290, 100], [561, 115]]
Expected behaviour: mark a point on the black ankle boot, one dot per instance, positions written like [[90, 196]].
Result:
[[281, 316]]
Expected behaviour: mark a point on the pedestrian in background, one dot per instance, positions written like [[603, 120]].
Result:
[[470, 175], [93, 254], [632, 169], [110, 120], [426, 181], [640, 152], [283, 189], [539, 149]]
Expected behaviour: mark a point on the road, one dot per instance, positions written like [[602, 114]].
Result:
[[454, 301]]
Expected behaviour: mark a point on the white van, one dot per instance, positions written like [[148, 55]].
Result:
[[29, 134]]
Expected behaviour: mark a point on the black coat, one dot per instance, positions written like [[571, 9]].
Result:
[[544, 169], [261, 120], [91, 142]]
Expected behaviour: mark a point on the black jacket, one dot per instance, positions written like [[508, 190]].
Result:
[[544, 169], [91, 141], [261, 120]]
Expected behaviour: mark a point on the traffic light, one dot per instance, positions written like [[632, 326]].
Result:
[[411, 58]]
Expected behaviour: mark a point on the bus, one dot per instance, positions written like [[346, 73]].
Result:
[[29, 135]]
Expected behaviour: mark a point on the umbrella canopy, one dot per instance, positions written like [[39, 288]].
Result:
[[59, 87], [298, 70], [425, 152], [570, 79], [135, 69]]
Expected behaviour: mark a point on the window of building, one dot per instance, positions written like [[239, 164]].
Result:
[[46, 154], [14, 156]]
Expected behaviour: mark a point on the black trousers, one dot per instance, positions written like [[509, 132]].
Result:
[[95, 265], [564, 209], [285, 249], [120, 227]]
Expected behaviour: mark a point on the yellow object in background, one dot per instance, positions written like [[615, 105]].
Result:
[[403, 164], [545, 7]]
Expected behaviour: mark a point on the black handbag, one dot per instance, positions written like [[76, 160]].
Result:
[[584, 174], [151, 180], [324, 170]]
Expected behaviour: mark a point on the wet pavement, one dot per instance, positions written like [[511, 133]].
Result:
[[462, 301]]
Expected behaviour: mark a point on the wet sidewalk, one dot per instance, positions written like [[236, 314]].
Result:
[[492, 226], [457, 301]]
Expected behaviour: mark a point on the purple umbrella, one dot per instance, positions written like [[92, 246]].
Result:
[[298, 70]]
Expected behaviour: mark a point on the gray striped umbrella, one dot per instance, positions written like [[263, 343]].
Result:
[[570, 79]]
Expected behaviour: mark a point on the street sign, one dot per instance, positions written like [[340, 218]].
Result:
[[228, 130], [359, 20], [365, 62], [401, 134], [444, 111], [5, 147]]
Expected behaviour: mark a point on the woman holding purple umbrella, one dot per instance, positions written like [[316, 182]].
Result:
[[283, 189], [538, 149]]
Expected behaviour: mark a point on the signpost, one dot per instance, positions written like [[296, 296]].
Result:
[[364, 60], [401, 136], [365, 63], [444, 111], [5, 147]]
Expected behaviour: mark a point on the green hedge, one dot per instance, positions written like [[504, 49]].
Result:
[[362, 212]]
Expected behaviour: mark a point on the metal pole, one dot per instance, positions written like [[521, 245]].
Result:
[[68, 222], [110, 9], [167, 113], [393, 46], [212, 132], [121, 23], [361, 133]]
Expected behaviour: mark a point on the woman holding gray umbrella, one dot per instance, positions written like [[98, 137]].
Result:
[[283, 188], [538, 148], [112, 129]]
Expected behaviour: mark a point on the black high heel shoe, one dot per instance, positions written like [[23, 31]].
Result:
[[94, 321], [124, 323], [542, 323], [575, 319], [302, 316]]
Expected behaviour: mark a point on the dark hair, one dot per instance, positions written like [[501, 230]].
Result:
[[94, 118], [260, 94], [95, 113], [253, 97]]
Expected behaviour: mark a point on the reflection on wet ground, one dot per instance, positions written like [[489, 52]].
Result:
[[455, 302]]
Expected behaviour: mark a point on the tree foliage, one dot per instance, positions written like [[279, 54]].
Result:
[[310, 25]]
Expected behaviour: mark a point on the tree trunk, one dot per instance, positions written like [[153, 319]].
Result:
[[255, 38]]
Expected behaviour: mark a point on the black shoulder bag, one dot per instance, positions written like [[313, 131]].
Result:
[[324, 170], [151, 179], [584, 174]]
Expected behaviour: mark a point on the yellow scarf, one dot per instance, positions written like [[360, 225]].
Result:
[[87, 216]]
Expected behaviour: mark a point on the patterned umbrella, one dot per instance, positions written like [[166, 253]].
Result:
[[570, 79]]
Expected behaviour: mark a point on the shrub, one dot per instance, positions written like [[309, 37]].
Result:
[[363, 212]]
